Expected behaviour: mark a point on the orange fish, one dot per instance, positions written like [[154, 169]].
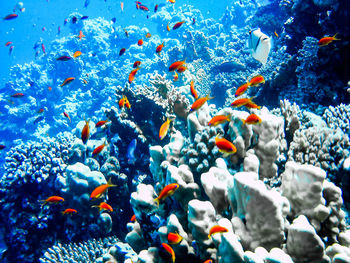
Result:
[[67, 81], [167, 27], [136, 64], [100, 190], [159, 48], [241, 89], [41, 110], [276, 34], [140, 42], [255, 81], [69, 211], [200, 102], [327, 40], [122, 6], [127, 103], [164, 129], [126, 32], [166, 191], [176, 76], [52, 200], [219, 119], [193, 91], [170, 251], [148, 35], [100, 123], [121, 102], [171, 1], [77, 54], [98, 149], [181, 69], [104, 206], [252, 105], [85, 81], [85, 133], [49, 88], [8, 43], [67, 116], [217, 229], [132, 75], [17, 95], [241, 102], [178, 24], [226, 147], [133, 218], [252, 119], [81, 35], [209, 261], [174, 238], [176, 65]]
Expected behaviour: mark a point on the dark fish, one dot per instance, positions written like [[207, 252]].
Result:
[[84, 17], [144, 8], [65, 22], [31, 83], [178, 24], [130, 153], [37, 44], [59, 30], [122, 51], [193, 21], [74, 20], [155, 8], [114, 19], [43, 48], [10, 50], [17, 95], [63, 58], [10, 16], [39, 119], [87, 2], [2, 146]]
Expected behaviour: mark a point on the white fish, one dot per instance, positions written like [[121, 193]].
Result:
[[259, 45]]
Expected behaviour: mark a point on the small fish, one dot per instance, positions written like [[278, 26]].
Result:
[[276, 33], [84, 17], [126, 33], [74, 20], [193, 21], [133, 218], [155, 8], [86, 3], [148, 35], [121, 102], [85, 133], [136, 64], [176, 65], [127, 103], [174, 238], [122, 6], [114, 19], [67, 116], [98, 149], [41, 110], [193, 91], [171, 1], [140, 42], [176, 76], [38, 119], [81, 35], [58, 30], [327, 40], [65, 22], [208, 261], [17, 95], [167, 27], [168, 190], [63, 58], [241, 102], [219, 119], [77, 54], [255, 81], [101, 123], [130, 152], [101, 189], [49, 89], [2, 146], [226, 147], [164, 129], [122, 51], [132, 75], [200, 102], [252, 119], [170, 251], [159, 48], [252, 105], [85, 81], [242, 89], [178, 24], [67, 81], [10, 50], [43, 48], [103, 206], [181, 69], [52, 200], [8, 43], [10, 16], [143, 8], [69, 211], [217, 229], [43, 29]]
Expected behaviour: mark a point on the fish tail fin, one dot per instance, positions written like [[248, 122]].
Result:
[[251, 98], [335, 36], [63, 213], [156, 200], [110, 183], [229, 117], [243, 120], [208, 97]]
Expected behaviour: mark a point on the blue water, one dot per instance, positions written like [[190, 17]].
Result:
[[44, 153]]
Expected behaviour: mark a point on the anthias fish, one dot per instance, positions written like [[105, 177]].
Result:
[[98, 149], [226, 147], [63, 58], [52, 200], [242, 89], [10, 16], [69, 211], [200, 102], [122, 51], [132, 75], [217, 229], [178, 25], [327, 40], [103, 206], [166, 191], [100, 123], [174, 238], [136, 64], [252, 119], [255, 81], [85, 132], [163, 131], [67, 81], [159, 48], [100, 190], [176, 65], [218, 119], [170, 251], [193, 91]]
